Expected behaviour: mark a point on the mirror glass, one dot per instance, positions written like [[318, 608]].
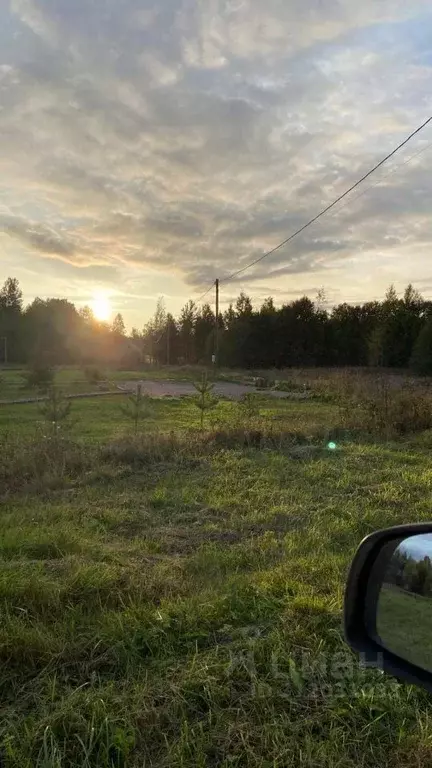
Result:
[[404, 608]]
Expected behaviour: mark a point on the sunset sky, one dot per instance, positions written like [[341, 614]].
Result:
[[150, 147]]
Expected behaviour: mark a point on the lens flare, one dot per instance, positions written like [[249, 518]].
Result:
[[331, 446]]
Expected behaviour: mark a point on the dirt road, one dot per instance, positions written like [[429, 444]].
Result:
[[184, 388], [171, 389]]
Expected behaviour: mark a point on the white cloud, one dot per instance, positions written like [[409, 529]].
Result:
[[190, 138]]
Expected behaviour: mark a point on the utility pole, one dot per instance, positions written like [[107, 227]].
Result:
[[216, 355]]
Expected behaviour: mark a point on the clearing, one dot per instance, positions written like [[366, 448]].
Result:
[[174, 599], [404, 624]]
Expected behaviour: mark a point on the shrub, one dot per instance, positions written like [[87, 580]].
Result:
[[93, 374], [291, 386], [40, 376], [263, 382], [387, 411], [249, 405], [408, 411], [237, 438], [41, 463], [143, 450]]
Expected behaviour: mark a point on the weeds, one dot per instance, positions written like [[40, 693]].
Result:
[[40, 463], [145, 450], [383, 410]]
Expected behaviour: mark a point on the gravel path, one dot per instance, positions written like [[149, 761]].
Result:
[[184, 388], [171, 389]]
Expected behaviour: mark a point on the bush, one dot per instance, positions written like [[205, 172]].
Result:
[[249, 405], [93, 374], [237, 438], [408, 411], [262, 438], [41, 463], [291, 386], [388, 411], [263, 382], [143, 450], [40, 376]]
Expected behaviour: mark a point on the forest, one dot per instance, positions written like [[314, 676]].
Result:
[[393, 333], [410, 573]]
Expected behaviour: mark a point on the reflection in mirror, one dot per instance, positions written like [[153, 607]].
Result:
[[404, 609]]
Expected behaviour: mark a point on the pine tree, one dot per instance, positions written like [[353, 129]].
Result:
[[118, 326], [421, 359], [137, 408], [11, 302], [204, 400]]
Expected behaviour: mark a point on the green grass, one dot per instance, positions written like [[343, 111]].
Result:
[[72, 380], [101, 417], [404, 624], [179, 603]]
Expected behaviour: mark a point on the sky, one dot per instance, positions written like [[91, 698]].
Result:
[[150, 147], [418, 546]]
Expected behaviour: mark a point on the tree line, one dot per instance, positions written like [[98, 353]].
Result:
[[409, 573], [395, 332]]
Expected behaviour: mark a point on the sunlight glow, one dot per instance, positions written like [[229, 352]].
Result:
[[101, 307]]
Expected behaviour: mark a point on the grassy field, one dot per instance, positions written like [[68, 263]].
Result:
[[404, 624], [174, 599], [74, 381]]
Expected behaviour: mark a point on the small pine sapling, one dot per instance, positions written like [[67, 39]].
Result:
[[204, 400], [249, 406], [56, 409], [137, 408]]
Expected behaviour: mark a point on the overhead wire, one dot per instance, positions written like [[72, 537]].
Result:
[[328, 207], [382, 178], [197, 301]]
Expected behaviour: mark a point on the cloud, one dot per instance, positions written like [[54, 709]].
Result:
[[191, 138], [37, 236]]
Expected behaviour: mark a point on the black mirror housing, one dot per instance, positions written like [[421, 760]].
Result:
[[364, 584]]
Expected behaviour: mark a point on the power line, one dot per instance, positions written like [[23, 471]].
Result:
[[380, 180], [329, 207], [197, 301]]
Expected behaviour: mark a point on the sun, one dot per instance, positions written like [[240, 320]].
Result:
[[101, 307]]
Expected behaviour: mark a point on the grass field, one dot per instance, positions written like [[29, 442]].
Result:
[[73, 380], [175, 599], [404, 624]]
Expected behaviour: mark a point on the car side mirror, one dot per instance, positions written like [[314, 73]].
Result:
[[388, 602]]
